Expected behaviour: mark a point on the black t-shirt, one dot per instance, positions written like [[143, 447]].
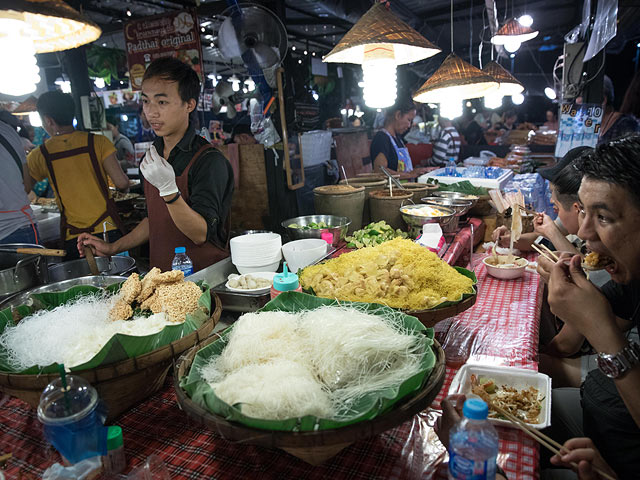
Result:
[[210, 182], [606, 418], [381, 143], [474, 135]]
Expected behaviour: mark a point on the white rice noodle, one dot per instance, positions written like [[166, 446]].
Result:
[[73, 333], [275, 390], [346, 352]]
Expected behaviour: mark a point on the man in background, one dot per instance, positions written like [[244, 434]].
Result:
[[447, 145]]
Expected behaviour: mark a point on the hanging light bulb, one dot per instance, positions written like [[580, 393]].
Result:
[[512, 46], [517, 99], [550, 93], [508, 85], [379, 74], [526, 20], [65, 85], [451, 108], [251, 85], [99, 82], [21, 55], [34, 119], [513, 31], [235, 83], [214, 78], [493, 100]]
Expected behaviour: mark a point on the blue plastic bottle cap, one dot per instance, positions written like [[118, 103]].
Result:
[[180, 250], [285, 281], [475, 409]]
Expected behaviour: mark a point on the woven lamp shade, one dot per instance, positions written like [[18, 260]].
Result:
[[55, 25], [508, 83], [26, 107], [455, 78], [380, 26], [513, 31]]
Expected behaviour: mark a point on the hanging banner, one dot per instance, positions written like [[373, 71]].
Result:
[[579, 125], [175, 34]]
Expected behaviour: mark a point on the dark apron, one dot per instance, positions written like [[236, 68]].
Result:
[[111, 210], [164, 235]]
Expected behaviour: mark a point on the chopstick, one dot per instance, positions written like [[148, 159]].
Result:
[[542, 252], [548, 250], [541, 438], [528, 210]]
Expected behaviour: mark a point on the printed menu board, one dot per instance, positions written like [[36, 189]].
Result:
[[174, 34], [579, 125]]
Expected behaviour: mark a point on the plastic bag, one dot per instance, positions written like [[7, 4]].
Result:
[[77, 471], [604, 27]]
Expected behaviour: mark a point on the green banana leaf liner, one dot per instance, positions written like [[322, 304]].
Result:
[[464, 296], [119, 347], [368, 406]]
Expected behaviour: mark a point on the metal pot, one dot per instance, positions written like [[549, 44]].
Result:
[[115, 265], [25, 298], [21, 271]]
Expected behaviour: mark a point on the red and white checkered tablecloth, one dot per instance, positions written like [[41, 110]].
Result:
[[502, 326]]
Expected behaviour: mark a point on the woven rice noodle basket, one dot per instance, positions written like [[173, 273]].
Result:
[[380, 26], [509, 85], [312, 447], [455, 77], [123, 384]]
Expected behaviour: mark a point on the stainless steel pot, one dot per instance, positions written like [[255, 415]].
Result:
[[21, 271], [115, 265], [25, 298]]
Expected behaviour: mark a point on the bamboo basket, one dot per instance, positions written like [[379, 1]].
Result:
[[312, 447], [123, 384], [434, 315]]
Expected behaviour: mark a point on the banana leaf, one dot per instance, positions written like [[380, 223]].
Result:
[[368, 407], [119, 347]]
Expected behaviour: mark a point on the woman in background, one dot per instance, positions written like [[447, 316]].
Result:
[[387, 148]]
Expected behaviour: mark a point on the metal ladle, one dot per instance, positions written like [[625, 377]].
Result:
[[393, 179]]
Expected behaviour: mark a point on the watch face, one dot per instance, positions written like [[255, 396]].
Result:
[[609, 366]]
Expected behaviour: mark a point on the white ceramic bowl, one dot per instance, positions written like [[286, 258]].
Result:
[[301, 253], [506, 273], [272, 267], [256, 258], [251, 240]]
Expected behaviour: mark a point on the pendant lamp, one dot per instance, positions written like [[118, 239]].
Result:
[[512, 34], [508, 85], [28, 27], [455, 79], [380, 41]]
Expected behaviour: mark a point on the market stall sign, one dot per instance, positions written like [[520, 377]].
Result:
[[174, 34], [579, 126]]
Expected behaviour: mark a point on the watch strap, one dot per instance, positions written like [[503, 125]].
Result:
[[616, 365], [176, 197]]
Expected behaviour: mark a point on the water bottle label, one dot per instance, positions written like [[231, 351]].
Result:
[[187, 269], [462, 468]]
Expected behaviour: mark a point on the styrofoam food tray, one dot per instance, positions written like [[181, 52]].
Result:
[[515, 377], [266, 275], [498, 183]]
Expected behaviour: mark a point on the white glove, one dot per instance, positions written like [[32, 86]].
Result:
[[158, 172]]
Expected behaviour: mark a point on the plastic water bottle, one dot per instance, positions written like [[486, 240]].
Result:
[[473, 444], [182, 262], [450, 169]]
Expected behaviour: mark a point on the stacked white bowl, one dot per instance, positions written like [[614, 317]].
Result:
[[256, 252]]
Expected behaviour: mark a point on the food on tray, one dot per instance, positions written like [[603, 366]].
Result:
[[72, 333], [248, 282], [122, 197], [158, 292], [44, 201], [374, 234], [310, 226], [595, 261], [526, 404], [398, 273], [279, 365], [425, 211]]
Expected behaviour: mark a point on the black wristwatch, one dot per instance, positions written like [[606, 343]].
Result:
[[616, 365]]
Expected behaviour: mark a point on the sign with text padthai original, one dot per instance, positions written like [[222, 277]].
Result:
[[578, 125], [173, 34]]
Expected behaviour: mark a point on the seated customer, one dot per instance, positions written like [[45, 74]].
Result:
[[387, 148], [610, 215]]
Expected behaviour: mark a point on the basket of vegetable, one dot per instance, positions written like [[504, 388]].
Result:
[[121, 343], [314, 226], [374, 234], [311, 375]]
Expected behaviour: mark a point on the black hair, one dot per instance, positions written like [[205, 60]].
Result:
[[616, 162], [57, 105], [566, 185], [402, 105], [173, 70], [631, 101]]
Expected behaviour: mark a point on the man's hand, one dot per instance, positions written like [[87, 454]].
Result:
[[577, 301], [544, 225], [501, 236], [159, 173], [451, 414], [97, 245], [584, 454], [544, 267]]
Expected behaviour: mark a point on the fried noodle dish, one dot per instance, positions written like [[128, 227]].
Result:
[[526, 404]]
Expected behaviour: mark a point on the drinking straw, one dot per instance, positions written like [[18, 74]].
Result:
[[65, 388], [345, 175], [390, 188]]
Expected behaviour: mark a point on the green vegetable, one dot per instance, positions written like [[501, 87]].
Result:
[[464, 187], [311, 226], [374, 234]]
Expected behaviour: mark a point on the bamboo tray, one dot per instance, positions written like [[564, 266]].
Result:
[[434, 315], [123, 384], [312, 447]]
